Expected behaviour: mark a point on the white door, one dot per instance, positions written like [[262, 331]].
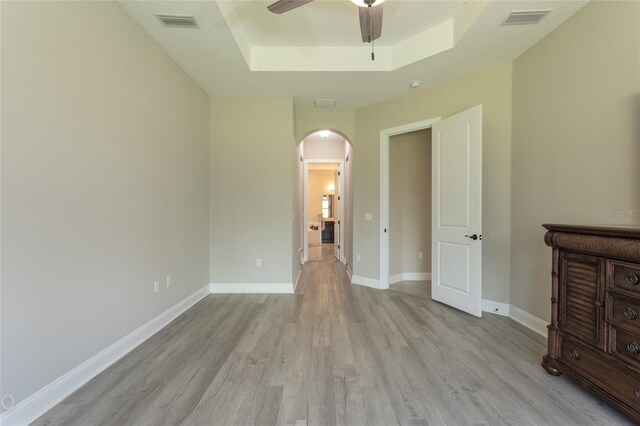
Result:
[[457, 211]]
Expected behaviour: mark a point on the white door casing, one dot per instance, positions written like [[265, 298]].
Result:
[[305, 183], [457, 211], [337, 247], [385, 136]]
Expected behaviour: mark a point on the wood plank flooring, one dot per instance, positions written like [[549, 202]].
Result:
[[321, 253], [333, 354]]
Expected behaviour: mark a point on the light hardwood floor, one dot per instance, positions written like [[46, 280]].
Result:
[[334, 353], [321, 253]]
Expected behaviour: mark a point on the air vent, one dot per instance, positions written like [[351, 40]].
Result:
[[525, 17], [178, 21], [324, 103]]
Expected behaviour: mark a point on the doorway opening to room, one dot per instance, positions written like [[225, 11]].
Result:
[[456, 208], [325, 197], [323, 210], [410, 212]]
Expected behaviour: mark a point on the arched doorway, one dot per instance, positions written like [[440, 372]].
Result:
[[326, 152]]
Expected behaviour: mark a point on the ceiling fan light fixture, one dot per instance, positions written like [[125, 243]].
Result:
[[366, 3]]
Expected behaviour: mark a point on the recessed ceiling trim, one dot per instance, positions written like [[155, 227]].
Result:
[[430, 42], [388, 58]]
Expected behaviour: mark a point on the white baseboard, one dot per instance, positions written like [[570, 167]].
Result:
[[410, 276], [251, 288], [29, 409], [532, 322], [297, 278], [497, 308], [368, 282], [349, 273]]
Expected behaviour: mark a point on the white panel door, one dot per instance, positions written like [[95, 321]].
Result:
[[457, 211]]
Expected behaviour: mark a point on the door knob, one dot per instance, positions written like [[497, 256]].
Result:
[[473, 237]]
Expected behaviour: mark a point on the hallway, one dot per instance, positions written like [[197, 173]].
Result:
[[322, 253], [333, 353]]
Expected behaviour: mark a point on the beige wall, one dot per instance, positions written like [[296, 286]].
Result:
[[576, 137], [492, 89], [324, 149], [347, 194], [104, 185], [317, 184], [410, 202], [251, 189], [298, 223]]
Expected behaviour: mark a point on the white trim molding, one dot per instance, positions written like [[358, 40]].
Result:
[[385, 135], [367, 282], [532, 322], [28, 410], [521, 316], [286, 288], [305, 203], [297, 279], [349, 272], [410, 276], [497, 308]]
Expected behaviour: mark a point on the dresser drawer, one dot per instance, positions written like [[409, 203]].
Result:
[[624, 312], [626, 346], [619, 382], [624, 276]]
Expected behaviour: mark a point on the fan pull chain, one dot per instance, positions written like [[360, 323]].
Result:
[[371, 37], [373, 55]]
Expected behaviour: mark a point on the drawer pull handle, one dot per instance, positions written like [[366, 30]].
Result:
[[634, 347], [638, 392], [632, 279], [630, 313], [575, 354]]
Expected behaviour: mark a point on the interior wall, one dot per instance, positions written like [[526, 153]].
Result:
[[310, 119], [410, 202], [298, 224], [347, 193], [317, 184], [320, 149], [251, 174], [104, 185], [576, 137], [492, 89]]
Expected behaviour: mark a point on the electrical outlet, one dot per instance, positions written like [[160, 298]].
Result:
[[168, 280], [258, 263], [358, 257], [156, 286], [419, 255], [367, 216]]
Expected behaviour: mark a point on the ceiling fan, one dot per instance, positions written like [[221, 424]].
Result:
[[370, 16]]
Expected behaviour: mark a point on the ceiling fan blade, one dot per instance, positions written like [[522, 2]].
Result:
[[371, 22], [282, 6]]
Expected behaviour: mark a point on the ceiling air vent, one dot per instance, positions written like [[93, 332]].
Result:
[[324, 103], [177, 21], [525, 17]]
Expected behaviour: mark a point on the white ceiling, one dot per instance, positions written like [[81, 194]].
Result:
[[336, 23], [219, 55]]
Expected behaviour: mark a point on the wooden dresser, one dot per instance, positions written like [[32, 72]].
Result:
[[594, 335]]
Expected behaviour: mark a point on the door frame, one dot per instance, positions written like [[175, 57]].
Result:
[[385, 136], [305, 221]]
